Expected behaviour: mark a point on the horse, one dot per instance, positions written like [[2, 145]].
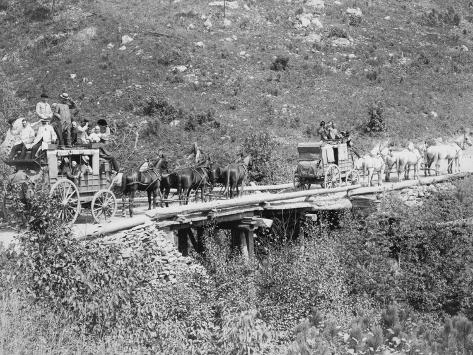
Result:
[[147, 180], [452, 152], [236, 175], [409, 158], [373, 163], [187, 179]]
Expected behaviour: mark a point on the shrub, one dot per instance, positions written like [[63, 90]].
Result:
[[4, 5], [338, 32], [279, 63], [301, 277], [261, 147], [376, 121]]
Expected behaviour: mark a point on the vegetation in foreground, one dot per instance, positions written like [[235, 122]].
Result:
[[398, 281]]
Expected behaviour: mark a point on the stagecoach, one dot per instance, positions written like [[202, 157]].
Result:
[[91, 190], [329, 164]]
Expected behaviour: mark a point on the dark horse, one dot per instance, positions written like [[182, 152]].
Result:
[[185, 180], [233, 176], [148, 180]]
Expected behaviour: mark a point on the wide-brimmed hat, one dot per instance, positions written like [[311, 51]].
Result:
[[44, 95], [85, 158], [47, 119], [102, 122], [11, 120], [64, 96]]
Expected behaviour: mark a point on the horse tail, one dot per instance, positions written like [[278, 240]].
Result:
[[227, 185]]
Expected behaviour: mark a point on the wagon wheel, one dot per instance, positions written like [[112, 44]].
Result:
[[352, 177], [333, 178], [68, 197], [104, 205]]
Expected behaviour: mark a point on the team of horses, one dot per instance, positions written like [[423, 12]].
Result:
[[382, 159], [156, 180]]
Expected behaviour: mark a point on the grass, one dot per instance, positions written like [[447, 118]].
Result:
[[418, 69]]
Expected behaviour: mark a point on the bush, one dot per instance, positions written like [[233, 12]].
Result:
[[4, 5], [279, 63], [261, 147], [301, 277], [376, 120], [338, 32]]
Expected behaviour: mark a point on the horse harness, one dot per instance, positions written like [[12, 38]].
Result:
[[152, 173]]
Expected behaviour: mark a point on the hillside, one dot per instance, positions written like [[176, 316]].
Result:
[[215, 71]]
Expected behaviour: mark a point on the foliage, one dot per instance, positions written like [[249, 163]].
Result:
[[164, 112], [301, 277], [376, 121], [261, 147], [436, 18], [279, 63]]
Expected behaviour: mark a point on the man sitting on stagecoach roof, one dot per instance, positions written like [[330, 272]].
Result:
[[333, 133], [196, 155], [27, 136], [104, 130], [94, 137], [81, 131], [322, 131], [44, 137], [43, 110]]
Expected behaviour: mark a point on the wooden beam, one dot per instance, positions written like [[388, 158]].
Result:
[[162, 213]]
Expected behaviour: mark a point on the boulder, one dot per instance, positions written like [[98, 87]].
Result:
[[233, 5], [341, 42], [316, 4], [313, 38], [179, 69], [355, 12], [317, 23], [208, 24], [126, 39], [199, 44]]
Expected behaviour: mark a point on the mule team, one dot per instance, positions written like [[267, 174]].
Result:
[[381, 160]]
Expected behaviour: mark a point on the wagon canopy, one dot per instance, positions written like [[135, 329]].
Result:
[[310, 151]]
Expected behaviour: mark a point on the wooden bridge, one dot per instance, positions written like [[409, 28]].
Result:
[[258, 208]]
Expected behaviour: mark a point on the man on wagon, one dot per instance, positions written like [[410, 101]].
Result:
[[44, 137], [103, 133], [322, 131], [64, 119], [43, 110]]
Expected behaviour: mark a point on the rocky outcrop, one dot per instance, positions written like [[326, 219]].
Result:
[[172, 264]]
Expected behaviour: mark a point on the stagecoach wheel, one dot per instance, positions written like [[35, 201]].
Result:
[[68, 197], [333, 178], [104, 206], [352, 178]]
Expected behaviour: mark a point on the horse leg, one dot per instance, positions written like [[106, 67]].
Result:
[[437, 166], [370, 175], [123, 205], [130, 201], [149, 199], [388, 171], [380, 176]]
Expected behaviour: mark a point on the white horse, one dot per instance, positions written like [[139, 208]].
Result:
[[451, 152], [373, 164], [409, 158]]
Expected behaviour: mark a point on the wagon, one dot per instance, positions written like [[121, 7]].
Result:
[[329, 164], [91, 190]]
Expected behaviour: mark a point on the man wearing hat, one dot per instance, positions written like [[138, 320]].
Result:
[[43, 110], [44, 136], [64, 121]]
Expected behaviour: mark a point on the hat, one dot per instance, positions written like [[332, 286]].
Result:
[[102, 122], [44, 95], [85, 158], [11, 120], [46, 119], [64, 96], [322, 123]]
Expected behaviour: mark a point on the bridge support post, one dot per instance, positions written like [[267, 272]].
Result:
[[183, 241]]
